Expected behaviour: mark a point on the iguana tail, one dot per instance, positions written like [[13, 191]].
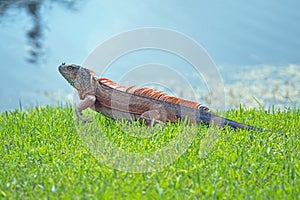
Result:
[[209, 118]]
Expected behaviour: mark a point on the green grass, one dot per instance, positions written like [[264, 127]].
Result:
[[43, 154]]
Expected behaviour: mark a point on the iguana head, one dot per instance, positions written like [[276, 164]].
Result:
[[78, 77]]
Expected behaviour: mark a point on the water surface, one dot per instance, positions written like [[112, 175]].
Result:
[[255, 45]]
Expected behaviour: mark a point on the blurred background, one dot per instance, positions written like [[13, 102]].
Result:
[[254, 45]]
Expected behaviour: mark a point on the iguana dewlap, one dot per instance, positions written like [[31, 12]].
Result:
[[145, 104]]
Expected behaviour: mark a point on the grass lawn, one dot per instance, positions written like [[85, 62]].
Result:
[[44, 156]]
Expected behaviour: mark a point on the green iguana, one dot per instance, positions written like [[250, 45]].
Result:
[[144, 104]]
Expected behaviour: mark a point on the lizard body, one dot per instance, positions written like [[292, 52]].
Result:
[[145, 104]]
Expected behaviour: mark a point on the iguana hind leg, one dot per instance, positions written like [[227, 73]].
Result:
[[87, 102], [157, 115]]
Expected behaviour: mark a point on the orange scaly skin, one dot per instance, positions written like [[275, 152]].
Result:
[[145, 104]]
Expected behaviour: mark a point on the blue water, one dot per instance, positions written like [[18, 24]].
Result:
[[235, 34]]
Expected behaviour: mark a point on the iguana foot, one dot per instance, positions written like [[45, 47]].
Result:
[[81, 118]]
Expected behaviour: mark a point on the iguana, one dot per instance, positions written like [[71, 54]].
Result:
[[144, 104]]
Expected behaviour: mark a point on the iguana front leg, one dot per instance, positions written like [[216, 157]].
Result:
[[87, 102]]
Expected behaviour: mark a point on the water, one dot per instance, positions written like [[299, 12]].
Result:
[[255, 46]]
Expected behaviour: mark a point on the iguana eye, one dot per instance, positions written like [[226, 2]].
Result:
[[69, 68]]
